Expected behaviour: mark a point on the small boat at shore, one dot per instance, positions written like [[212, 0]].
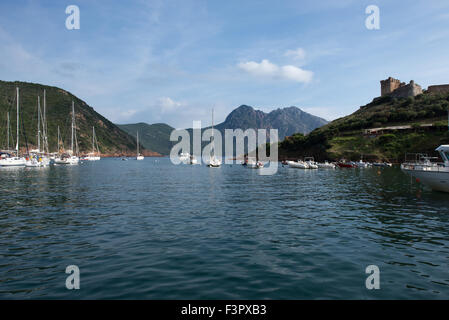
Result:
[[192, 160], [298, 164], [344, 164], [362, 164], [435, 175], [326, 165], [311, 163], [252, 163], [382, 164]]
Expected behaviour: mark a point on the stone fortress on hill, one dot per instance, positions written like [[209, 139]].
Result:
[[397, 89]]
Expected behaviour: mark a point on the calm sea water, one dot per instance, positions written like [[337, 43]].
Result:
[[152, 230]]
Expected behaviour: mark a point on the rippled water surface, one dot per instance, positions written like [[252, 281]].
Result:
[[152, 230]]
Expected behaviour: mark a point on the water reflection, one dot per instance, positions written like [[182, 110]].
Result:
[[154, 230]]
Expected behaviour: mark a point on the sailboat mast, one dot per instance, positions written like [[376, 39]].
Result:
[[137, 143], [44, 123], [213, 139], [93, 137], [17, 146], [58, 140], [8, 132], [73, 124], [38, 124]]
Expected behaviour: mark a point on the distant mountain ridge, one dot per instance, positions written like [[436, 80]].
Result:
[[288, 120]]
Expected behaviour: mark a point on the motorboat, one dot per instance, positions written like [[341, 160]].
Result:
[[298, 164], [311, 162], [326, 165], [192, 160], [435, 175], [382, 164], [184, 157], [362, 164], [67, 159], [345, 164], [252, 163]]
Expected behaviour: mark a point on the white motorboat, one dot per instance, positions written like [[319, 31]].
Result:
[[326, 165], [192, 160], [311, 163], [7, 160], [90, 157], [252, 163], [362, 164], [184, 157], [67, 159], [382, 164], [139, 156], [298, 164], [435, 175]]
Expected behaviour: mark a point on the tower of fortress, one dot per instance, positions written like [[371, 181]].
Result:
[[397, 89]]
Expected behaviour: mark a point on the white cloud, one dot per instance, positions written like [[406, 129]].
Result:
[[268, 69], [298, 54], [168, 104]]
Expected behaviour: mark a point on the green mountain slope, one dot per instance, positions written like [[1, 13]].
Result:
[[154, 137], [416, 124], [110, 138]]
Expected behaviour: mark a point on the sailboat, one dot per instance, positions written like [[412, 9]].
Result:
[[37, 157], [94, 155], [70, 157], [213, 161], [8, 160], [139, 156]]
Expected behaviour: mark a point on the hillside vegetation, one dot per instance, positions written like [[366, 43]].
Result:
[[110, 138], [154, 137], [346, 137]]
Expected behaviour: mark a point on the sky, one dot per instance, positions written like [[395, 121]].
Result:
[[173, 61]]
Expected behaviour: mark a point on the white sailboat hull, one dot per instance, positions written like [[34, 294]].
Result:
[[13, 162], [38, 163]]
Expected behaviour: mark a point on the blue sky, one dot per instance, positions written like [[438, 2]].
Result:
[[172, 61]]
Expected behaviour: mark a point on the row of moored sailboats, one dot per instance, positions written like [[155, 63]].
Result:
[[41, 157]]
